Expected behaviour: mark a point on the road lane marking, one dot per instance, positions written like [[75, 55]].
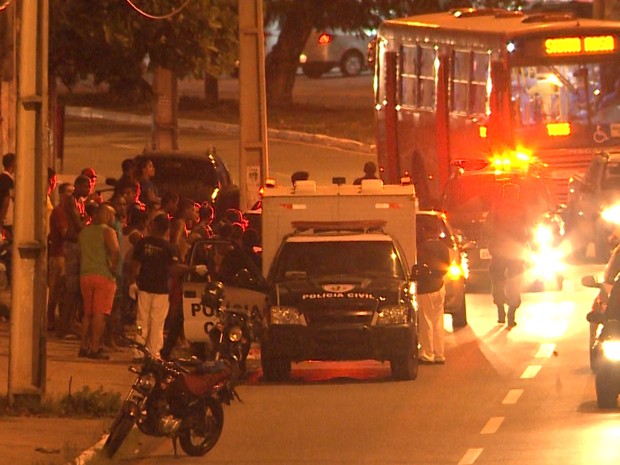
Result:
[[492, 425], [545, 350], [512, 397], [470, 456], [531, 371]]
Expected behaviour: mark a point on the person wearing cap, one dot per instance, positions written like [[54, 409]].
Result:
[[370, 172], [93, 196]]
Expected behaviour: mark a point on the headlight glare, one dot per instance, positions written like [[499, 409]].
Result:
[[611, 350], [282, 315], [611, 214], [394, 315]]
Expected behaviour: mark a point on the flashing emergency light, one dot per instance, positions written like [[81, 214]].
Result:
[[518, 160], [558, 129], [483, 132]]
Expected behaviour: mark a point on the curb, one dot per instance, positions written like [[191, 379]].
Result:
[[222, 128], [85, 457]]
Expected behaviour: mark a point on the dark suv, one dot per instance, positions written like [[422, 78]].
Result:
[[467, 201], [198, 176], [590, 195]]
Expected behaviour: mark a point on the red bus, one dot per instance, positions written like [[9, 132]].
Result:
[[471, 84]]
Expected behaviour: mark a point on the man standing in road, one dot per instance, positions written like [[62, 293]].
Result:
[[433, 263], [507, 223]]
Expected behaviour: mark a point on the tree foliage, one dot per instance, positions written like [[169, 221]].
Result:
[[113, 42], [297, 18]]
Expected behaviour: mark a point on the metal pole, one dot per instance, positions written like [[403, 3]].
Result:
[[27, 356], [253, 156]]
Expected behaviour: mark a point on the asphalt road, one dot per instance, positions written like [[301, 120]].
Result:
[[503, 397], [104, 144]]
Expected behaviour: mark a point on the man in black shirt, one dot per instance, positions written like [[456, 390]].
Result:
[[433, 263]]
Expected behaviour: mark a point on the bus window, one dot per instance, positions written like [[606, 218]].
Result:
[[427, 77], [460, 81], [556, 93], [408, 77], [478, 99]]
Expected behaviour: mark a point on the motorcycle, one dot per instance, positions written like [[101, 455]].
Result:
[[605, 350], [171, 400], [232, 335]]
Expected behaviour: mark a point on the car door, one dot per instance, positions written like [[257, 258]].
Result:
[[228, 263]]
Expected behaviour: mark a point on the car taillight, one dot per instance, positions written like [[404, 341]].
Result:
[[324, 38]]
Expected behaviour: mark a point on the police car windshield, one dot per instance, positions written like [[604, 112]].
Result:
[[302, 260]]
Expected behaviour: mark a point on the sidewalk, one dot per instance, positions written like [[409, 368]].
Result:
[[57, 441]]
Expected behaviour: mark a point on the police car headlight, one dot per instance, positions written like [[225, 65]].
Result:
[[455, 272], [611, 350], [395, 315], [281, 315]]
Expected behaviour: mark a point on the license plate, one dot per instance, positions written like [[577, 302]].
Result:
[[484, 254]]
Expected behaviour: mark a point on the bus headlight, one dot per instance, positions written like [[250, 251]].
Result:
[[281, 315], [394, 315], [611, 350]]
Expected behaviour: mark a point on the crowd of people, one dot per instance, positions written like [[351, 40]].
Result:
[[121, 261]]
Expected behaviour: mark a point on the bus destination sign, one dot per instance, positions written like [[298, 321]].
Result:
[[559, 46]]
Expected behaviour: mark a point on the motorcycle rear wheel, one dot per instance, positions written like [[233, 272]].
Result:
[[204, 433], [118, 432]]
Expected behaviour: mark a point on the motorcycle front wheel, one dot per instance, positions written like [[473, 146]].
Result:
[[204, 429], [119, 430]]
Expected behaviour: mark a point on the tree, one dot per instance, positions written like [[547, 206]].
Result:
[[115, 41], [297, 18]]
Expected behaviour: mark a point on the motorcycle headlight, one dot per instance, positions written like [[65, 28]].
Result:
[[146, 382], [394, 315], [611, 350], [235, 334], [281, 315]]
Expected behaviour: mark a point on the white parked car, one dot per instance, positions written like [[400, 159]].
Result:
[[326, 49]]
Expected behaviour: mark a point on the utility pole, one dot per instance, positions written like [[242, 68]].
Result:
[[253, 156], [27, 356]]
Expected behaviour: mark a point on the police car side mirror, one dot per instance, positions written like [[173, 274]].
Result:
[[589, 281]]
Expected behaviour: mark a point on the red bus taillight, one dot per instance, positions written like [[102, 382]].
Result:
[[324, 38]]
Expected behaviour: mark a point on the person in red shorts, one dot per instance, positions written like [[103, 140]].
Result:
[[99, 255]]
